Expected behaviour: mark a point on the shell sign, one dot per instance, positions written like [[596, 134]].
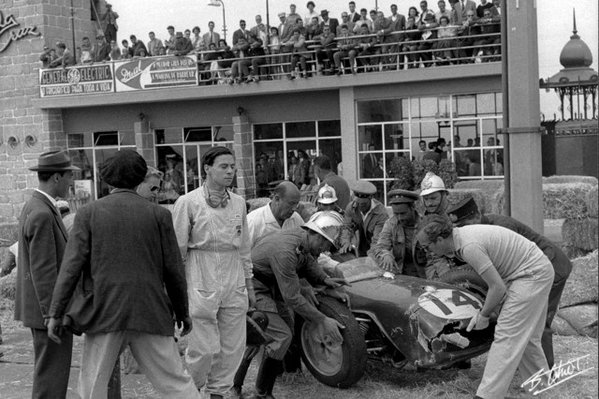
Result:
[[9, 35]]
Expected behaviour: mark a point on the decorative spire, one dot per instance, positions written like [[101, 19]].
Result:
[[574, 31]]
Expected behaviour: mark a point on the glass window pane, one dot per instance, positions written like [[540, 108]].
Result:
[[396, 137], [370, 138], [428, 107], [369, 165], [170, 162], [270, 166], [300, 129], [405, 109], [192, 170], [329, 128], [466, 105], [427, 131], [380, 111], [106, 138], [485, 103], [78, 140], [465, 132], [332, 149], [499, 102], [201, 133], [268, 131], [168, 135], [493, 162], [299, 161], [223, 133], [127, 137]]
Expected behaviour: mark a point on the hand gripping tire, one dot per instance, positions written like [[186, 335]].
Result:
[[466, 278], [338, 367]]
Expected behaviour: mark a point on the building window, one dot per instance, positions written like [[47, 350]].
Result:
[[388, 129], [285, 151], [89, 151], [179, 152]]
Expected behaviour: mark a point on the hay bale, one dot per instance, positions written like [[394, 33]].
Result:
[[593, 202], [583, 318], [565, 200], [570, 179], [583, 285], [9, 233], [256, 203], [487, 185], [581, 233], [562, 327], [128, 363], [573, 252], [8, 287]]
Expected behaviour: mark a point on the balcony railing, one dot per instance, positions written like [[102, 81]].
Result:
[[221, 67]]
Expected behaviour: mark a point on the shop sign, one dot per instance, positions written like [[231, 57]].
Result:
[[156, 73], [7, 36], [83, 79]]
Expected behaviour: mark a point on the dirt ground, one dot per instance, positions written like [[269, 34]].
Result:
[[380, 382]]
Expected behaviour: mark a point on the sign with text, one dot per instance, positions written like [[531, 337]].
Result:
[[156, 72], [83, 79]]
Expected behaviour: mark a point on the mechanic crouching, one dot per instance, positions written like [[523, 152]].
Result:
[[279, 263], [393, 250]]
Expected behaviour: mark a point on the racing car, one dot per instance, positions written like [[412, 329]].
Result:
[[400, 320]]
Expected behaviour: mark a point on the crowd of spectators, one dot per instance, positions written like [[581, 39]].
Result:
[[459, 31]]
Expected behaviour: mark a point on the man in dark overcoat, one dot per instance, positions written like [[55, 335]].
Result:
[[42, 241], [123, 272]]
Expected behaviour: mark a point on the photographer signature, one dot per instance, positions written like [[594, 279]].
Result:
[[559, 373]]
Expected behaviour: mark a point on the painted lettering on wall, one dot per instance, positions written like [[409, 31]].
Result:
[[15, 34]]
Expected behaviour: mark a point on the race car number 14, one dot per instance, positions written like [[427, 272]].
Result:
[[449, 304]]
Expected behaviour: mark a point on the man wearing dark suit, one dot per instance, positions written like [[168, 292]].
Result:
[[242, 33], [397, 22], [332, 23], [42, 241], [211, 36], [123, 271], [462, 7]]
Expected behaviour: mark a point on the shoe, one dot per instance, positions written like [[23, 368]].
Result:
[[338, 72]]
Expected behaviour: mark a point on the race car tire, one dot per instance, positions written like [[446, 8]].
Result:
[[339, 367], [468, 279]]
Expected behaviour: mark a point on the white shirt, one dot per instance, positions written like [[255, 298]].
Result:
[[262, 222], [52, 200], [308, 17]]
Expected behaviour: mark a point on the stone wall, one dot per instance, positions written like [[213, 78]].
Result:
[[27, 131]]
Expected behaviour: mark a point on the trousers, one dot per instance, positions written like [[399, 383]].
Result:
[[51, 365], [517, 341], [157, 356]]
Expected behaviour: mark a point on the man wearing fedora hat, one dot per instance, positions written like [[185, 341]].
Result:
[[42, 241], [122, 282], [393, 251]]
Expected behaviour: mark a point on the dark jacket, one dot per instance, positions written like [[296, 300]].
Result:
[[42, 241], [124, 252], [368, 229]]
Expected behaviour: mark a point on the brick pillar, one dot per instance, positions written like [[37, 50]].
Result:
[[242, 148], [144, 142]]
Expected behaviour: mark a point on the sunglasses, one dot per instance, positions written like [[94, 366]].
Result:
[[360, 195]]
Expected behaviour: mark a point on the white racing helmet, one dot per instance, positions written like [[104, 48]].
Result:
[[431, 184], [326, 223], [327, 195]]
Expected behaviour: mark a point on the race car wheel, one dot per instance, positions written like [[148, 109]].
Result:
[[467, 279], [338, 367]]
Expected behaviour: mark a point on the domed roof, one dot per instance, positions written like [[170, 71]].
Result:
[[576, 53]]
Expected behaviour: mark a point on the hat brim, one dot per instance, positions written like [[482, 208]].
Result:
[[327, 201], [428, 191], [53, 169]]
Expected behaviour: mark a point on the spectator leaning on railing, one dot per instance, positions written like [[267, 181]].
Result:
[[65, 57], [155, 46]]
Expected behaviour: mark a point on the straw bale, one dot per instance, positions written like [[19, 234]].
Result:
[[592, 202], [562, 327], [256, 203], [581, 233], [8, 286], [570, 179], [490, 185], [565, 200], [583, 285], [583, 318]]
